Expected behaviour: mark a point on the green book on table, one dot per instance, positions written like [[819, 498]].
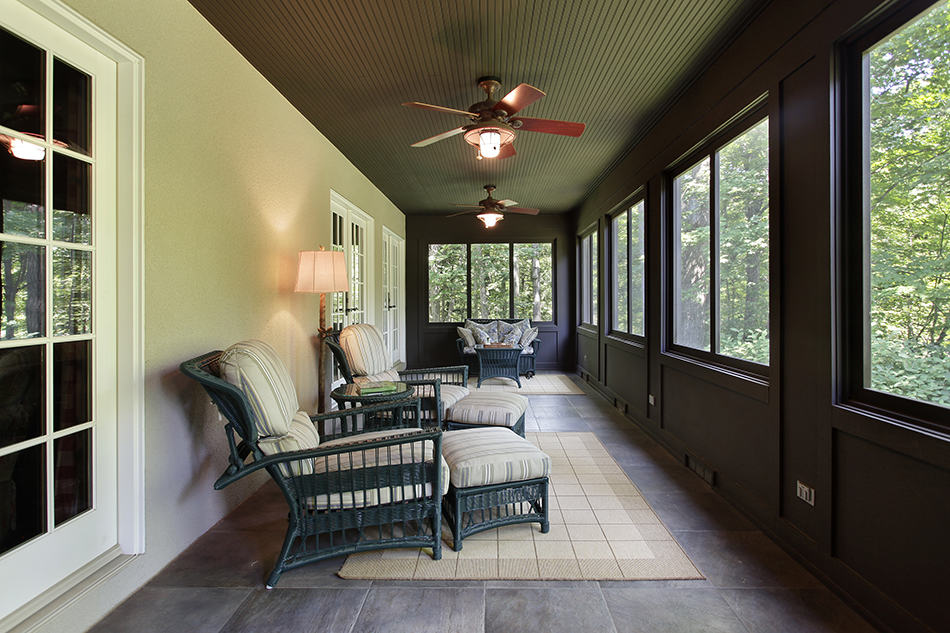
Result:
[[369, 388]]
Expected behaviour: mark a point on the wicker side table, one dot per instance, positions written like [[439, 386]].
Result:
[[498, 362]]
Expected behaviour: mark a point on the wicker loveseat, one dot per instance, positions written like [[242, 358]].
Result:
[[481, 332], [347, 490]]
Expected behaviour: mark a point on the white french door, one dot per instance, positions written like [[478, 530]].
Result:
[[393, 294], [58, 456]]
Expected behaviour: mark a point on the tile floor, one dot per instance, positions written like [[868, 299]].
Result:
[[751, 585]]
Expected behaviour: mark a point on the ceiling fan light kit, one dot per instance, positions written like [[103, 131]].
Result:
[[490, 218]]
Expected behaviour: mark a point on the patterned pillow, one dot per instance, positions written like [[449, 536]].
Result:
[[504, 328], [524, 325], [484, 333], [513, 337], [468, 340], [482, 337], [529, 335]]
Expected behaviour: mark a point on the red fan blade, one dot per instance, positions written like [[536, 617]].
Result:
[[507, 151], [438, 137], [507, 203], [550, 126], [523, 210], [429, 106], [521, 97], [479, 209]]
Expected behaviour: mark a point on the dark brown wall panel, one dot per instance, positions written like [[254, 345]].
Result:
[[588, 358], [726, 430], [625, 374], [892, 516], [806, 291]]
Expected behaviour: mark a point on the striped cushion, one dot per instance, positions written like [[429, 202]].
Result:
[[528, 337], [300, 437], [365, 352], [256, 369], [466, 335], [495, 408], [479, 457], [405, 453], [390, 374]]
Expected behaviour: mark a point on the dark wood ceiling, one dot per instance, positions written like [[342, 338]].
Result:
[[615, 65]]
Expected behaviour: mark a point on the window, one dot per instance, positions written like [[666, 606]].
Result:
[[627, 270], [720, 298], [898, 307], [352, 232], [491, 281], [588, 278]]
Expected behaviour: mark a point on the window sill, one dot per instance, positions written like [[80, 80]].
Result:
[[750, 385]]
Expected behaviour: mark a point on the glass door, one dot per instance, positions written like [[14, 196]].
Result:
[[392, 269], [57, 305]]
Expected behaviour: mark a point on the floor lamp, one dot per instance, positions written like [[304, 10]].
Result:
[[322, 272]]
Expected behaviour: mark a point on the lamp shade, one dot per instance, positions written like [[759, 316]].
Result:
[[321, 271]]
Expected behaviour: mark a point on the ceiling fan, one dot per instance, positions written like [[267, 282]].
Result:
[[490, 211], [493, 123]]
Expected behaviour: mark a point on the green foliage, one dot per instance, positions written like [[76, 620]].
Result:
[[531, 276], [909, 208]]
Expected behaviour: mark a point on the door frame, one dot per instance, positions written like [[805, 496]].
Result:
[[389, 234], [130, 317]]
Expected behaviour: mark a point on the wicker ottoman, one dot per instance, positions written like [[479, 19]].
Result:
[[490, 408], [495, 478]]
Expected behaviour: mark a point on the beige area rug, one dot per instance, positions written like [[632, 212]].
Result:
[[541, 384], [601, 529]]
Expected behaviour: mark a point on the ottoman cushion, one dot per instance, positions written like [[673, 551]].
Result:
[[483, 456], [488, 409]]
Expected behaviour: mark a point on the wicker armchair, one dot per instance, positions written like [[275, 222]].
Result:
[[348, 491], [361, 357]]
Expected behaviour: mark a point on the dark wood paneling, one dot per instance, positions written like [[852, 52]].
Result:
[[726, 430], [434, 344], [892, 519], [588, 357], [625, 374]]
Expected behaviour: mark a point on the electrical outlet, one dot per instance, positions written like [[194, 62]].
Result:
[[651, 400], [806, 493]]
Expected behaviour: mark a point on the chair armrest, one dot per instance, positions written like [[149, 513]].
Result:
[[356, 445], [451, 375], [536, 344]]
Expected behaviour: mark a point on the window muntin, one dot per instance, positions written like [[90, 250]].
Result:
[[587, 285], [627, 270], [905, 179], [491, 281], [720, 298]]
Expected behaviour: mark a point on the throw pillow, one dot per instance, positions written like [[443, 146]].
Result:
[[529, 335], [482, 337], [466, 335], [524, 325], [504, 328], [513, 337]]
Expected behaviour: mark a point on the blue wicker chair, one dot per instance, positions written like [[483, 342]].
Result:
[[347, 491], [526, 362], [361, 357]]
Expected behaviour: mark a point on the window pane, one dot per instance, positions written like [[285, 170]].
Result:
[[72, 386], [22, 290], [22, 78], [71, 107], [447, 283], [907, 184], [593, 279], [620, 237], [490, 274], [72, 292], [637, 273], [22, 184], [72, 475], [691, 275], [534, 281], [744, 246], [22, 394], [22, 496], [71, 219]]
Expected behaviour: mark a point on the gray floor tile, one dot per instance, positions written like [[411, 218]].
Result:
[[651, 478], [743, 559], [557, 610], [660, 610], [266, 509], [794, 611], [563, 424], [197, 610], [319, 574], [422, 610], [300, 610], [697, 511], [224, 558]]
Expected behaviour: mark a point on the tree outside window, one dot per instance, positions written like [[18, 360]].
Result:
[[627, 269]]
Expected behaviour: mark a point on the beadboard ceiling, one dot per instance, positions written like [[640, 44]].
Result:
[[347, 65]]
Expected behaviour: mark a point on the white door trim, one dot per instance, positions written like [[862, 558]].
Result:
[[130, 317]]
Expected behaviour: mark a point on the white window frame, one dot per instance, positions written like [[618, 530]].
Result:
[[390, 238], [130, 313]]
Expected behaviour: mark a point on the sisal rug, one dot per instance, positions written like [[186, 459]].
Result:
[[601, 529], [541, 384]]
